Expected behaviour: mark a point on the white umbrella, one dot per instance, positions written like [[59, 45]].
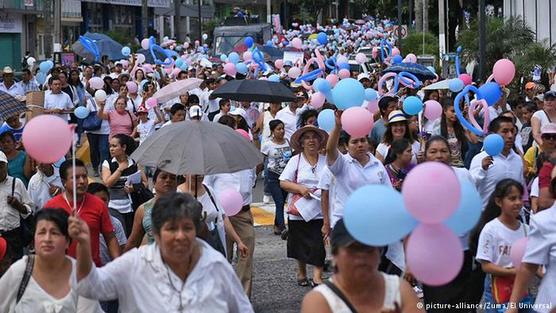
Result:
[[443, 84], [176, 89]]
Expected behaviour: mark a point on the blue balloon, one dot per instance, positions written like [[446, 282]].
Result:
[[233, 57], [184, 66], [464, 122], [274, 78], [269, 43], [81, 112], [44, 67], [41, 77], [179, 62], [322, 38], [285, 43], [326, 120], [397, 59], [223, 58], [376, 216], [469, 210], [249, 42], [321, 85], [348, 93], [241, 68], [412, 105], [490, 92], [342, 66], [456, 85], [126, 51], [371, 94], [493, 144]]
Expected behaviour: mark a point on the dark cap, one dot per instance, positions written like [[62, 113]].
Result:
[[550, 94], [340, 237]]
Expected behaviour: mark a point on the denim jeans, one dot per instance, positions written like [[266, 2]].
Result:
[[98, 148], [278, 195], [493, 307]]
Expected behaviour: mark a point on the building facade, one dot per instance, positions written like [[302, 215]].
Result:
[[540, 16]]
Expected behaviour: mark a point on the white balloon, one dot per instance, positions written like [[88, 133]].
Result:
[[31, 61], [100, 95], [140, 58]]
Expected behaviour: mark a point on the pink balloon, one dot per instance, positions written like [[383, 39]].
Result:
[[96, 83], [434, 254], [466, 78], [411, 58], [294, 72], [125, 64], [357, 121], [231, 201], [47, 138], [147, 68], [395, 51], [297, 43], [168, 70], [433, 110], [344, 73], [503, 71], [374, 52], [244, 134], [372, 106], [279, 63], [145, 43], [151, 102], [230, 69], [431, 192], [518, 251], [131, 87], [332, 79], [247, 55], [176, 71], [360, 58], [317, 100]]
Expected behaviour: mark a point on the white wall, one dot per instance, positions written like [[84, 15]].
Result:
[[540, 16]]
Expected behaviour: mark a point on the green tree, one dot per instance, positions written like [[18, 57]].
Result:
[[413, 43]]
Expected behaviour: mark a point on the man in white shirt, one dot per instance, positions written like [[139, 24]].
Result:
[[57, 102], [8, 84], [44, 185], [288, 115], [487, 170], [15, 203], [242, 181]]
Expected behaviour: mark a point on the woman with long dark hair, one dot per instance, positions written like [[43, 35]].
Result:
[[449, 127], [398, 162]]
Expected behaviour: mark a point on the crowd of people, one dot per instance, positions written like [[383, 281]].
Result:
[[166, 243]]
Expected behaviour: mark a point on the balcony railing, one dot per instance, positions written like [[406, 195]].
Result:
[[22, 5]]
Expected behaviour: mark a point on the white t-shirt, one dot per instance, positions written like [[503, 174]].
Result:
[[383, 149], [145, 130], [495, 242], [278, 155], [290, 121], [541, 116], [300, 171], [535, 188], [60, 101], [328, 182]]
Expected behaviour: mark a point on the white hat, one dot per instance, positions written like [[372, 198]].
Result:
[[239, 111], [195, 111], [7, 70], [3, 157]]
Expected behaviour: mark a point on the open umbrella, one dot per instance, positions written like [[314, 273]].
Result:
[[105, 45], [420, 71], [197, 148], [10, 106], [254, 90], [443, 84], [177, 89]]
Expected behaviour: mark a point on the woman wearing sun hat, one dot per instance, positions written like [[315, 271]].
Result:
[[300, 178], [397, 128]]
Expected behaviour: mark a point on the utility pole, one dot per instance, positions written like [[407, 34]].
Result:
[[399, 43], [482, 39], [145, 17], [268, 11], [441, 29], [200, 22], [57, 25], [177, 19]]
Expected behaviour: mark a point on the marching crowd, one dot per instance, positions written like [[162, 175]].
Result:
[[164, 242]]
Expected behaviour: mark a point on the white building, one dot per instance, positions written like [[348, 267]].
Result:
[[540, 16]]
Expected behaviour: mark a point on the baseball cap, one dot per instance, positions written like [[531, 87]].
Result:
[[549, 128], [363, 76], [7, 70], [195, 111], [239, 111], [530, 86], [3, 157], [550, 94], [142, 109]]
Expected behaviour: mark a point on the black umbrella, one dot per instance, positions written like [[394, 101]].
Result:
[[420, 71], [254, 90]]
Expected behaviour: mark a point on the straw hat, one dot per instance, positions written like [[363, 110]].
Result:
[[296, 137]]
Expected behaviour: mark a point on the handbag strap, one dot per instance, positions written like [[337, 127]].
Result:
[[547, 116], [212, 200], [26, 277], [13, 186], [297, 168], [340, 295]]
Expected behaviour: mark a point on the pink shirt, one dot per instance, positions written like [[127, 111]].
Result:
[[121, 123]]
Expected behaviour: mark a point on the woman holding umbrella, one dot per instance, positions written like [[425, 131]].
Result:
[[300, 178]]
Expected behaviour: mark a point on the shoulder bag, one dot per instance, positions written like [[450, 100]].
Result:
[[92, 122], [26, 277]]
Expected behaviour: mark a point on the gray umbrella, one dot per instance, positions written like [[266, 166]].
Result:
[[197, 148]]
